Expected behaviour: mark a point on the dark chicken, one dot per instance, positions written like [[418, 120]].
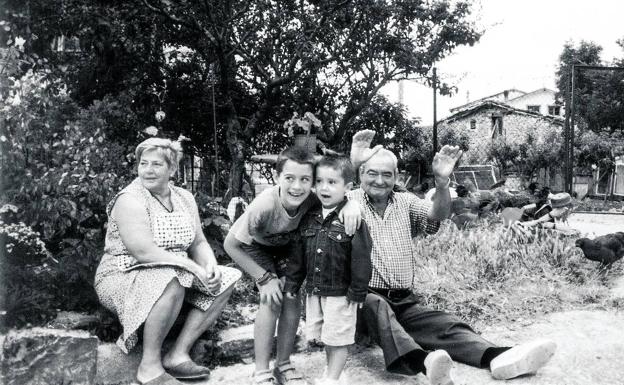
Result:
[[605, 249]]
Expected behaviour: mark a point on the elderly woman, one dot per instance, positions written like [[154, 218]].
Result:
[[156, 257]]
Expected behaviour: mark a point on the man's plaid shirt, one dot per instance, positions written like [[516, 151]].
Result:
[[393, 256]]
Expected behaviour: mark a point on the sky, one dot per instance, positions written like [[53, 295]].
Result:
[[519, 49]]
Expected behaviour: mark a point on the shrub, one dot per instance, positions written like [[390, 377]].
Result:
[[485, 273], [59, 170]]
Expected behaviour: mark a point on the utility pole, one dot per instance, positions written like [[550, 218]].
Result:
[[435, 119]]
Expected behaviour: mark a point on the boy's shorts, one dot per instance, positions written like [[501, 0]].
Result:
[[330, 320], [271, 258]]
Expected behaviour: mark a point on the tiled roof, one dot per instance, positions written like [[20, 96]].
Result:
[[469, 110]]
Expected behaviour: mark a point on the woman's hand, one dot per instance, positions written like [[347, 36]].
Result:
[[197, 270], [213, 277], [351, 216]]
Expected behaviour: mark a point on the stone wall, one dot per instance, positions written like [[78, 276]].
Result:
[[516, 126]]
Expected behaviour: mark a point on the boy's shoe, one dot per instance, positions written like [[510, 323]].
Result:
[[438, 365], [286, 374], [522, 359], [264, 377], [328, 381]]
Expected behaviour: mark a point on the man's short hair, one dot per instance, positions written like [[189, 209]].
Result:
[[340, 163], [296, 154], [387, 154]]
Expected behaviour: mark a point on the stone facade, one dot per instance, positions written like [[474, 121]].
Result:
[[479, 124]]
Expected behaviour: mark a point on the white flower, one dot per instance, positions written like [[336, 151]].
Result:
[[312, 119], [19, 42], [8, 207], [160, 115], [151, 130], [3, 138], [16, 100]]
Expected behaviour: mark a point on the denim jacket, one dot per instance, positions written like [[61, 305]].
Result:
[[335, 263]]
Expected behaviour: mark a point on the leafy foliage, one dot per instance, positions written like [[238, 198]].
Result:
[[526, 157], [598, 94], [257, 62], [58, 169]]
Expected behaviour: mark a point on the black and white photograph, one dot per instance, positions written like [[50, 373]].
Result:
[[311, 192]]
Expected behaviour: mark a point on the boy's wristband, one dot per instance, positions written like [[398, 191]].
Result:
[[266, 277]]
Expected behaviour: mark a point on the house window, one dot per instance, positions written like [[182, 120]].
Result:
[[534, 108], [554, 110], [473, 124], [497, 126]]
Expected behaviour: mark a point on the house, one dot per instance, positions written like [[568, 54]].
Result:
[[501, 97], [487, 120], [543, 101]]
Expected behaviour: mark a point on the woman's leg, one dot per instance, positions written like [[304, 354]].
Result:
[[197, 322], [287, 327], [157, 325]]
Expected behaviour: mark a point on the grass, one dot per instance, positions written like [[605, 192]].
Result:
[[485, 274]]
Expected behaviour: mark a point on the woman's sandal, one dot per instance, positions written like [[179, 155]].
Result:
[[286, 374], [264, 377], [163, 379]]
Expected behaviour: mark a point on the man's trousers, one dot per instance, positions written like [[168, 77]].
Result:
[[407, 331]]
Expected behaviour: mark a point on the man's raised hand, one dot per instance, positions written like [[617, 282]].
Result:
[[360, 147], [444, 161]]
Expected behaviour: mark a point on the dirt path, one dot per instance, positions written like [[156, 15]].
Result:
[[590, 350]]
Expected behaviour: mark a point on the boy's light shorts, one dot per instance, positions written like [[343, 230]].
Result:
[[331, 320]]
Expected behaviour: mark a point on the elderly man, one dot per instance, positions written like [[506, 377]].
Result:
[[415, 338]]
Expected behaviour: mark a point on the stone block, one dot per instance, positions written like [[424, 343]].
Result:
[[73, 320], [237, 344], [48, 356], [116, 367]]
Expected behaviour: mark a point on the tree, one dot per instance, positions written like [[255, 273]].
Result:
[[328, 57], [598, 95], [266, 59]]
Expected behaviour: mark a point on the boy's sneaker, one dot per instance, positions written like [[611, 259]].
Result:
[[264, 377], [286, 374], [328, 381], [438, 365], [522, 359]]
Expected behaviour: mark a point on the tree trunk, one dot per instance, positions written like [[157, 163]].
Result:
[[236, 145]]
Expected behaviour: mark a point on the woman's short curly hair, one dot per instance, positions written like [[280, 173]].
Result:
[[169, 149]]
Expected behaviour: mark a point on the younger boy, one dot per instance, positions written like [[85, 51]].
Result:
[[259, 242], [337, 266]]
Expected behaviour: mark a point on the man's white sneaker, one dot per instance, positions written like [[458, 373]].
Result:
[[438, 365], [522, 359]]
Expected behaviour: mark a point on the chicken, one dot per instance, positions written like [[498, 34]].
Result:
[[605, 249]]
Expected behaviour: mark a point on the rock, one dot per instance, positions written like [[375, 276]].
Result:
[[203, 352], [116, 367], [73, 320], [48, 356], [237, 344]]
